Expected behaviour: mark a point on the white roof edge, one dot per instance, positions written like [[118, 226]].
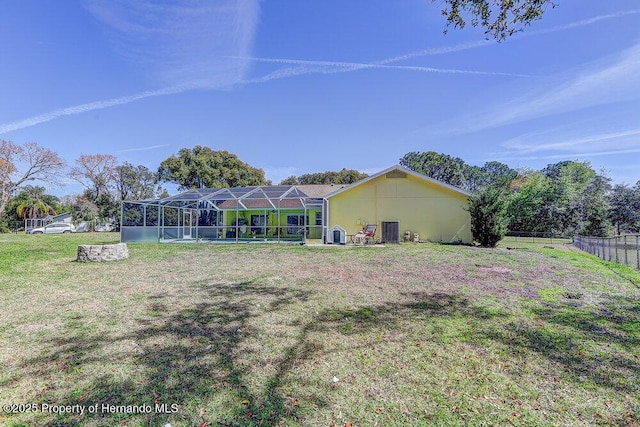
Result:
[[251, 189], [403, 169]]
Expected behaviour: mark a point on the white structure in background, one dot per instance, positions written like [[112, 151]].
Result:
[[30, 224], [337, 235]]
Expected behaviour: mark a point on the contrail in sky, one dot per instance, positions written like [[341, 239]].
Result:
[[322, 67], [98, 105], [581, 23], [180, 45], [564, 156], [150, 147], [332, 67], [305, 67]]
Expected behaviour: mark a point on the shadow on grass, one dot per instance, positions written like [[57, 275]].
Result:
[[596, 346], [198, 352]]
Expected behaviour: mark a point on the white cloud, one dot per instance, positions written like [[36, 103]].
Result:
[[577, 155], [528, 33], [205, 45], [530, 143], [182, 41], [614, 79], [580, 23], [564, 143], [187, 46]]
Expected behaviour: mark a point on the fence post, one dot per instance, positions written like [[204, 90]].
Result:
[[626, 260], [599, 247]]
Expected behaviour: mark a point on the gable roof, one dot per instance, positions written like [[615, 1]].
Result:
[[285, 196], [58, 217], [404, 170], [319, 190]]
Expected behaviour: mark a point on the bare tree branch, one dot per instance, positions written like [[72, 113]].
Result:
[[20, 164], [96, 172]]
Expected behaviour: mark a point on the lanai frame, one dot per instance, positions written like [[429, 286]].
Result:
[[180, 217]]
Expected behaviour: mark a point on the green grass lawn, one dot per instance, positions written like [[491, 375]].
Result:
[[531, 242], [267, 335]]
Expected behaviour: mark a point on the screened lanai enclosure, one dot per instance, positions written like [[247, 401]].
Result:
[[280, 213]]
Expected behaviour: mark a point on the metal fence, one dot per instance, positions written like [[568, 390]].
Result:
[[536, 237], [621, 249]]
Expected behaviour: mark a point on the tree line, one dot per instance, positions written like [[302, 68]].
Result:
[[564, 198], [106, 182]]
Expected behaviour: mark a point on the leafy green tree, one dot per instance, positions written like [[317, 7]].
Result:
[[32, 202], [488, 216], [202, 167], [525, 206], [474, 178], [575, 189], [83, 208], [437, 166], [595, 208], [564, 198], [135, 182], [497, 174], [108, 207], [343, 176], [499, 18], [291, 180], [454, 171], [624, 212]]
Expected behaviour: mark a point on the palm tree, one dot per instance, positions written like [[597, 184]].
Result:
[[33, 203]]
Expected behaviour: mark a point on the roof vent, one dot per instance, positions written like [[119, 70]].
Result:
[[396, 174]]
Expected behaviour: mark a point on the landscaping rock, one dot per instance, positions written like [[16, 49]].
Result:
[[98, 253]]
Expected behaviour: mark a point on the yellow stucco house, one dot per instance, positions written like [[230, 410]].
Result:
[[399, 200]]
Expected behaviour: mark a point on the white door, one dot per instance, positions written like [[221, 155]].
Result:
[[187, 226]]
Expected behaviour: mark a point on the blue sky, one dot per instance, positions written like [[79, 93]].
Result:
[[294, 87]]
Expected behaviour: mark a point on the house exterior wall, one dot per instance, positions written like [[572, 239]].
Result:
[[274, 223], [436, 212]]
